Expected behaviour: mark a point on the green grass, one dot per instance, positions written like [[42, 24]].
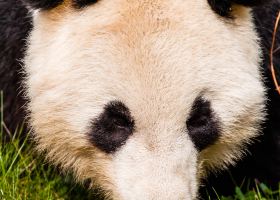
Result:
[[24, 175], [259, 191]]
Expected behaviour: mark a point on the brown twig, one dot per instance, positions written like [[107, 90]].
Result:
[[272, 53]]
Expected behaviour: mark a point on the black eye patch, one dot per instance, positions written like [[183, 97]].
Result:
[[112, 128], [223, 7], [202, 125]]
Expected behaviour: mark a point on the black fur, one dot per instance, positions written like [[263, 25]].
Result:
[[42, 4], [83, 3], [263, 162], [49, 4], [250, 3], [203, 126], [223, 7], [112, 128], [15, 24]]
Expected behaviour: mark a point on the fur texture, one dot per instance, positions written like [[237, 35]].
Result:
[[224, 7], [49, 4], [263, 161], [132, 52], [202, 124], [112, 128], [83, 3], [155, 62]]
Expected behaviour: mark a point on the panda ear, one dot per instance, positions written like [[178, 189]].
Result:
[[250, 3], [42, 4], [224, 7]]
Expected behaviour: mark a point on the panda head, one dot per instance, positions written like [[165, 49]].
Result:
[[144, 97]]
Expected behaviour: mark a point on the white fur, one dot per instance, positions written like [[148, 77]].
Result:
[[156, 56]]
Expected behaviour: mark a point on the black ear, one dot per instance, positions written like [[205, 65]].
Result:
[[223, 7], [83, 3], [250, 3], [42, 4]]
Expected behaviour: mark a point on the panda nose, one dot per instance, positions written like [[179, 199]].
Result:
[[156, 175], [158, 184], [154, 189]]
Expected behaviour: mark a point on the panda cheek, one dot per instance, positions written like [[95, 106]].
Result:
[[112, 128], [203, 125]]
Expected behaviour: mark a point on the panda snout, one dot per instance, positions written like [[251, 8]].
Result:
[[168, 173]]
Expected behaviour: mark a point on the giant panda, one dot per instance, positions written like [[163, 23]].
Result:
[[143, 98]]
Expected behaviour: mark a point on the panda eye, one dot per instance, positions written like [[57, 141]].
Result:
[[202, 124], [112, 128], [222, 7], [83, 3]]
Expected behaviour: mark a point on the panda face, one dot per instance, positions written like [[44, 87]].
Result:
[[143, 97]]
